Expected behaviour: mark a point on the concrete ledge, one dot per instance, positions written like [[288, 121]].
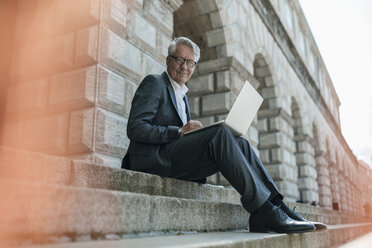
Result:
[[334, 235]]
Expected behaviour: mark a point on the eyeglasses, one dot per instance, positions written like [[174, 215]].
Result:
[[180, 61]]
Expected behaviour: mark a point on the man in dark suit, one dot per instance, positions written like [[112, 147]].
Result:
[[158, 119]]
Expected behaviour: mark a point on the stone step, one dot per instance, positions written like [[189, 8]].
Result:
[[39, 211], [336, 234], [36, 167]]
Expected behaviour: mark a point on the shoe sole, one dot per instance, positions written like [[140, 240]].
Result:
[[263, 229]]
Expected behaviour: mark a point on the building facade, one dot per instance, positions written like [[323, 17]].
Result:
[[72, 67]]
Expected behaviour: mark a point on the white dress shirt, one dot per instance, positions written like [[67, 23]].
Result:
[[180, 92]]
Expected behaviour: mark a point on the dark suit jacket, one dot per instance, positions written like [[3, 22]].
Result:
[[153, 122]]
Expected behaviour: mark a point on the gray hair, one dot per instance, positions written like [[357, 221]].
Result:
[[184, 41]]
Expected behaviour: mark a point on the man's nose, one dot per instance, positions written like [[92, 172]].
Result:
[[184, 66]]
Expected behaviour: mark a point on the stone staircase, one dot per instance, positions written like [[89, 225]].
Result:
[[49, 199]]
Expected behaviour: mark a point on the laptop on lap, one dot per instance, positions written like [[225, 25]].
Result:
[[242, 112]]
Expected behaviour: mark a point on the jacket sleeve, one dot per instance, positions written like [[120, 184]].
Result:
[[145, 106]]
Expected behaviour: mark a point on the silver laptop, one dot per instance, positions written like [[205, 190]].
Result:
[[242, 112]]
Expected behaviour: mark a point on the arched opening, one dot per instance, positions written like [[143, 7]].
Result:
[[324, 190], [305, 162], [276, 144]]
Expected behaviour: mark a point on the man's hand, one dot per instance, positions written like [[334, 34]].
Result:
[[191, 125]]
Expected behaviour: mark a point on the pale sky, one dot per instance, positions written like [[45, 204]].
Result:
[[343, 32]]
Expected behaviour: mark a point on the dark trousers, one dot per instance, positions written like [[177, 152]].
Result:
[[216, 149]]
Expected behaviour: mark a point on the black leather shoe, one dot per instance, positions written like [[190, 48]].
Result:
[[292, 213], [275, 220]]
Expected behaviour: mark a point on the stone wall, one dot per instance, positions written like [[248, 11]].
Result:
[[75, 66]]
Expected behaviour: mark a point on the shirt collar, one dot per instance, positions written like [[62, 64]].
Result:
[[177, 87]]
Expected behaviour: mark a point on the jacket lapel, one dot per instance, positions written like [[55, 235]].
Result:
[[171, 93], [186, 100]]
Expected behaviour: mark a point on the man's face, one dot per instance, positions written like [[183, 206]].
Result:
[[180, 73]]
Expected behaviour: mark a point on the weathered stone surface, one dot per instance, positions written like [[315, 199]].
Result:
[[111, 90], [116, 51], [53, 55], [215, 37], [282, 172], [194, 106], [28, 99], [73, 90], [42, 209], [159, 13], [73, 15], [196, 215], [151, 66], [29, 166], [86, 46], [111, 135], [114, 14], [216, 104], [81, 131], [141, 32], [103, 177], [200, 85], [46, 134]]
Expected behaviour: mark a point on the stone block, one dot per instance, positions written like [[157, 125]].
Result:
[[305, 159], [72, 90], [186, 214], [111, 135], [11, 134], [194, 106], [262, 125], [26, 166], [307, 171], [114, 14], [323, 180], [46, 134], [206, 6], [56, 210], [160, 14], [280, 155], [216, 104], [309, 196], [116, 51], [269, 92], [141, 32], [28, 99], [130, 89], [199, 85], [216, 19], [253, 135], [86, 46], [223, 81], [279, 124], [111, 90], [73, 15], [288, 189], [81, 131], [281, 172], [34, 21], [307, 183], [61, 53], [305, 146], [104, 177], [265, 156], [215, 37], [52, 56], [162, 43], [151, 66], [262, 72]]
